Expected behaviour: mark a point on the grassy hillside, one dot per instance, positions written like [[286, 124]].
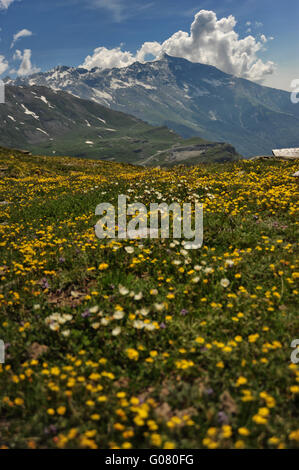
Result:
[[133, 344], [50, 122]]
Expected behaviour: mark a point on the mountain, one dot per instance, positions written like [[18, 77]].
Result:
[[49, 122], [190, 98]]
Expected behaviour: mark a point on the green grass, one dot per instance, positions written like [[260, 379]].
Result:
[[211, 366]]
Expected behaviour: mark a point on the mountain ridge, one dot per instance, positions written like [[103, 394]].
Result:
[[192, 99], [51, 122]]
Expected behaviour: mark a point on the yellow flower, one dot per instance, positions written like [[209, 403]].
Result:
[[19, 401], [226, 431], [127, 445], [132, 354], [253, 338], [169, 445], [102, 398], [61, 410], [156, 440], [200, 340], [119, 427], [128, 434], [263, 412], [239, 444], [243, 431], [258, 419], [294, 435], [103, 266], [273, 441], [241, 381]]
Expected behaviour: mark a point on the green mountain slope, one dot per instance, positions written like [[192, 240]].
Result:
[[190, 98], [51, 122]]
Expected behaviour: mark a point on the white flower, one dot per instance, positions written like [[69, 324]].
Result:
[[229, 263], [208, 270], [195, 280], [118, 315], [149, 327], [138, 324], [176, 262], [224, 282], [94, 309], [138, 296], [36, 307], [54, 317], [116, 331], [67, 317], [129, 249], [104, 321], [123, 290], [66, 333], [54, 326], [95, 326], [159, 307], [144, 311], [154, 291]]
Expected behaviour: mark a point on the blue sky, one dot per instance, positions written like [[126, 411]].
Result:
[[65, 32]]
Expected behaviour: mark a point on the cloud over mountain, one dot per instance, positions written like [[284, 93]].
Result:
[[26, 67], [21, 34], [211, 41], [3, 64]]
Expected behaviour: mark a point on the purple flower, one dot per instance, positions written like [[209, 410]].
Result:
[[184, 311], [50, 429], [162, 326], [222, 418], [85, 314], [45, 284]]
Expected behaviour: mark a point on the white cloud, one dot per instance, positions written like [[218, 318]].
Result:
[[4, 4], [119, 9], [3, 64], [108, 58], [116, 7], [21, 34], [26, 68], [210, 41]]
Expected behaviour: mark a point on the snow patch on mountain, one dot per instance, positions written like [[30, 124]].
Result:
[[212, 116], [102, 96], [40, 130], [30, 113], [44, 99]]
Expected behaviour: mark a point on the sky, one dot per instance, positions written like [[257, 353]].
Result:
[[254, 39]]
